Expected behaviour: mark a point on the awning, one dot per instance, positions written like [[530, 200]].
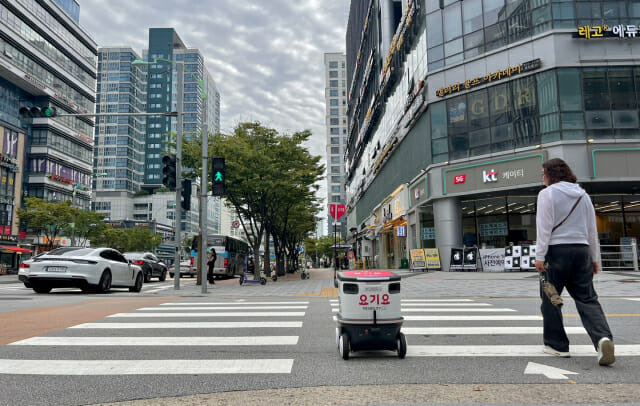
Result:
[[14, 249], [388, 226]]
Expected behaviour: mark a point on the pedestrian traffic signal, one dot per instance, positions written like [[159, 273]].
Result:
[[185, 202], [218, 174], [169, 171], [35, 112]]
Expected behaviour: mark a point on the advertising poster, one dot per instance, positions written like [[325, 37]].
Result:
[[433, 258], [492, 260], [418, 260], [470, 260], [456, 259]]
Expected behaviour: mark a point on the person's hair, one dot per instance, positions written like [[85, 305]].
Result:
[[557, 170]]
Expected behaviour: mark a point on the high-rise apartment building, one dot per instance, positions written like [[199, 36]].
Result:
[[46, 60], [119, 140], [165, 44], [128, 159], [335, 96]]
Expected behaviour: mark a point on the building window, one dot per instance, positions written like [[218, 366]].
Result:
[[333, 102], [333, 74], [334, 112], [333, 83], [335, 140], [333, 65], [335, 131], [335, 150]]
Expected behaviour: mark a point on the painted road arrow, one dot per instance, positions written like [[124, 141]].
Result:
[[550, 372]]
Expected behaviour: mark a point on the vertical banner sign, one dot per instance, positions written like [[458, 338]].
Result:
[[433, 258], [456, 259], [418, 260]]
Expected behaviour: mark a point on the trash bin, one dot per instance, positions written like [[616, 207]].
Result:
[[404, 263], [369, 317]]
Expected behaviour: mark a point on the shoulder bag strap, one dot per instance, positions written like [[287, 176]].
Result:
[[565, 219]]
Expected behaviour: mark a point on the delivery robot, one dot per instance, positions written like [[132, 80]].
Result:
[[369, 316]]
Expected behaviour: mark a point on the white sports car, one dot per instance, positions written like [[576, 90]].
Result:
[[90, 269]]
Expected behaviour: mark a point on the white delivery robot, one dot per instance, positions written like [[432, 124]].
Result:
[[369, 317]]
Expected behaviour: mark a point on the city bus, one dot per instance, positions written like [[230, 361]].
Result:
[[231, 255]]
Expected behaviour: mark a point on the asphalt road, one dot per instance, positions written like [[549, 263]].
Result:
[[167, 344]]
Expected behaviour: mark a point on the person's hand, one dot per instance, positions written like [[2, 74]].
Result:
[[596, 268], [540, 266]]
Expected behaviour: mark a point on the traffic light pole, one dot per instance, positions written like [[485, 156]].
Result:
[[178, 206], [204, 186]]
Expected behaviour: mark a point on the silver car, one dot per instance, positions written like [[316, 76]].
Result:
[[90, 269]]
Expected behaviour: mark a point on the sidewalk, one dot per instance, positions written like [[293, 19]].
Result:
[[433, 284]]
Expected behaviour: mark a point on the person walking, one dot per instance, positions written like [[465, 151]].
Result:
[[567, 249], [211, 264]]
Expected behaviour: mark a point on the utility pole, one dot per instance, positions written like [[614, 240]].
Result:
[[178, 207]]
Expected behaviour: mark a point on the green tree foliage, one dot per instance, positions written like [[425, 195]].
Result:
[[48, 219], [271, 183], [127, 239], [86, 224]]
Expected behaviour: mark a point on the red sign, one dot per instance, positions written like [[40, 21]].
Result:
[[369, 274], [337, 210], [459, 179]]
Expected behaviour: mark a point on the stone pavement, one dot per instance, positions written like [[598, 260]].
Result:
[[419, 285]]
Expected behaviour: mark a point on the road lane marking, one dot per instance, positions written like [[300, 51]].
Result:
[[229, 314], [181, 325], [548, 371], [467, 318], [404, 304], [234, 302], [159, 341], [446, 310], [509, 351], [146, 367], [165, 308], [425, 300], [482, 330]]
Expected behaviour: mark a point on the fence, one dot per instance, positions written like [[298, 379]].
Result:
[[619, 257]]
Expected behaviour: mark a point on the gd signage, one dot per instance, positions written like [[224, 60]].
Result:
[[522, 170]]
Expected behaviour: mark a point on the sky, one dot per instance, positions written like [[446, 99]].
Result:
[[266, 56]]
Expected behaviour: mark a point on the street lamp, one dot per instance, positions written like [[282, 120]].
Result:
[[178, 208]]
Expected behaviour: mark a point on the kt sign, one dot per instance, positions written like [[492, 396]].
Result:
[[490, 176]]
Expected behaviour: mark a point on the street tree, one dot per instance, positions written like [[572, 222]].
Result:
[[266, 172], [49, 219]]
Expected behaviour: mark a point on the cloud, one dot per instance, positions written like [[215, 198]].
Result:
[[266, 57]]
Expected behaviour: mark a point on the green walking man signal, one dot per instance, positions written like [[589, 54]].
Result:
[[218, 188]]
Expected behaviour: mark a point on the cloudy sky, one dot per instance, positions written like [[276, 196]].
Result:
[[265, 55]]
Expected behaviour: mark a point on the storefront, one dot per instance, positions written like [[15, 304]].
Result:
[[392, 230]]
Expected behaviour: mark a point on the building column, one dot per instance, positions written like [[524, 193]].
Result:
[[448, 227]]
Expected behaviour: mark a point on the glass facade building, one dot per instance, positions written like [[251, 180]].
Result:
[[472, 97], [47, 60]]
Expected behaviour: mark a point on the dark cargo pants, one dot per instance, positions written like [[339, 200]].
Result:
[[571, 266]]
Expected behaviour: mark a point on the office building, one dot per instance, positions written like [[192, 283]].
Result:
[[455, 105], [335, 95], [46, 61]]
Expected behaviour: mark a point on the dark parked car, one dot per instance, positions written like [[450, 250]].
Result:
[[151, 266]]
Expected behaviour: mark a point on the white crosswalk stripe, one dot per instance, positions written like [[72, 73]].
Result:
[[465, 318], [148, 331]]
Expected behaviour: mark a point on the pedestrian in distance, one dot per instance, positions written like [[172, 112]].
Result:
[[568, 251], [212, 256]]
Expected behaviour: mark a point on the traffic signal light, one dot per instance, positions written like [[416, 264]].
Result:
[[186, 194], [219, 176], [169, 171], [35, 112]]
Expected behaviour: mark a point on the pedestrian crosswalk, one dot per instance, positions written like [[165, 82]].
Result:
[[467, 328], [206, 333]]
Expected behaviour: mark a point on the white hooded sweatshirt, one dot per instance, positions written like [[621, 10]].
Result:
[[554, 204]]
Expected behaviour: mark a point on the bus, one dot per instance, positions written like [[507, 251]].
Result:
[[231, 255]]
